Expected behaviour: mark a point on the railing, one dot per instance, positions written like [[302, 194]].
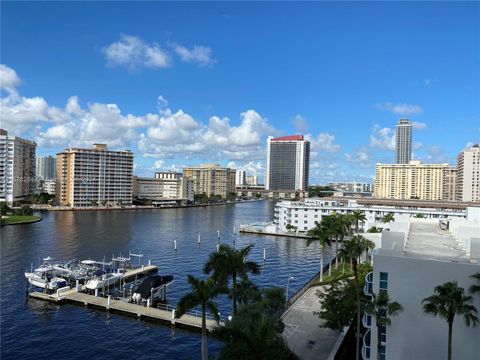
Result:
[[308, 285], [61, 291], [368, 288], [367, 321], [196, 313]]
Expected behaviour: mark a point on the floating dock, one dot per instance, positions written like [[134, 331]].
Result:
[[77, 296]]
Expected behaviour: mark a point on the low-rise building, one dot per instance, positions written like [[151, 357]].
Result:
[[413, 257], [304, 214], [352, 187], [165, 187]]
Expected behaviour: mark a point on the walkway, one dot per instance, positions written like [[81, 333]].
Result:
[[303, 332]]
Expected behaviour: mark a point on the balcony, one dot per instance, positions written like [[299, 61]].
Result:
[[368, 288], [366, 345], [367, 321]]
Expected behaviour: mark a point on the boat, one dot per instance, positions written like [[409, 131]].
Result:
[[152, 287], [101, 281], [44, 277]]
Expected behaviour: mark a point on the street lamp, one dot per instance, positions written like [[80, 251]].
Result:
[[288, 283]]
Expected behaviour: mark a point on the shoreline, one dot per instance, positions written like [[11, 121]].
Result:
[[138, 207], [20, 222]]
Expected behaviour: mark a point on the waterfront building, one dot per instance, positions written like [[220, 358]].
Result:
[[46, 167], [240, 178], [468, 174], [49, 186], [287, 165], [165, 187], [410, 260], [252, 180], [410, 181], [17, 168], [99, 176], [403, 141], [211, 179], [354, 187], [304, 214]]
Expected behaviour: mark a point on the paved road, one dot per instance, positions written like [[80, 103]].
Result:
[[302, 329]]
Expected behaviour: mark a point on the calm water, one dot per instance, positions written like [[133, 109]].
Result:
[[39, 330]]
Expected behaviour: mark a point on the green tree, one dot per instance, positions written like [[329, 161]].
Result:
[[358, 216], [419, 216], [374, 229], [475, 289], [382, 309], [336, 227], [448, 301], [319, 233], [388, 218], [202, 294], [230, 264], [352, 251]]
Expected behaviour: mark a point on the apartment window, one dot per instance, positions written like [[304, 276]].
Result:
[[383, 281], [383, 333]]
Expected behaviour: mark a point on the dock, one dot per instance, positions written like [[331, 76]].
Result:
[[190, 321], [263, 232]]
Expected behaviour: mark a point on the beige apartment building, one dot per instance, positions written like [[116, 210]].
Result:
[[165, 186], [449, 183], [410, 181], [468, 174], [211, 179], [94, 176]]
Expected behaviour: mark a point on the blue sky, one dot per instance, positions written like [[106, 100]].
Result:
[[188, 83]]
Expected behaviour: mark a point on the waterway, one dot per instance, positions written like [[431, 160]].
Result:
[[40, 330]]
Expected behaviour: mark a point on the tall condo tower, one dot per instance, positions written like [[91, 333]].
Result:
[[468, 174], [46, 167], [403, 144], [288, 160]]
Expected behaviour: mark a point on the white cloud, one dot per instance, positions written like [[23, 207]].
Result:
[[132, 52], [382, 138], [201, 55], [323, 142], [419, 125], [401, 109], [300, 124], [360, 158], [9, 79]]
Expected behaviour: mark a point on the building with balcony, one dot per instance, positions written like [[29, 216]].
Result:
[[352, 187], [410, 181], [211, 179], [46, 167], [17, 168], [304, 214], [164, 188], [288, 162], [94, 176], [413, 257], [468, 174], [403, 141]]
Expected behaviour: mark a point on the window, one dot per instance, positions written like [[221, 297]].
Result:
[[383, 334], [383, 281]]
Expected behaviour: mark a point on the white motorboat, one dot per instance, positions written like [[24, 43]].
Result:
[[44, 278], [103, 281]]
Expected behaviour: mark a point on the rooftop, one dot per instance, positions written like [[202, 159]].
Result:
[[288, 138]]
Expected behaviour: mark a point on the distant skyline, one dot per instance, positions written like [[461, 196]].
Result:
[[187, 83]]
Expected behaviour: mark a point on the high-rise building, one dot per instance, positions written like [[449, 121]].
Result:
[[449, 183], [468, 174], [357, 187], [288, 160], [410, 181], [252, 180], [94, 176], [211, 179], [240, 178], [17, 168], [46, 167], [403, 141]]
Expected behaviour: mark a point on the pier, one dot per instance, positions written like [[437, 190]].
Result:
[[164, 314]]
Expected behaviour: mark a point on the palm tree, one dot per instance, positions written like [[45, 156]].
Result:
[[351, 251], [388, 218], [229, 263], [475, 289], [448, 301], [358, 216], [336, 227], [382, 308], [202, 294], [319, 233]]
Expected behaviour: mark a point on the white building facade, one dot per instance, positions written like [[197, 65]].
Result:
[[17, 168], [468, 174], [414, 257]]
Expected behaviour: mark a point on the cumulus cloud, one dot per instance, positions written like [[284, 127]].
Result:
[[382, 138], [200, 55], [132, 52], [300, 124], [419, 125], [324, 142], [9, 79], [360, 158], [401, 109]]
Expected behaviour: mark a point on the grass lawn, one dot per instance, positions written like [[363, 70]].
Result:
[[18, 219], [341, 274]]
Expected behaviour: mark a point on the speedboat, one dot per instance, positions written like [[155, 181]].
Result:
[[44, 278], [151, 287], [104, 280]]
